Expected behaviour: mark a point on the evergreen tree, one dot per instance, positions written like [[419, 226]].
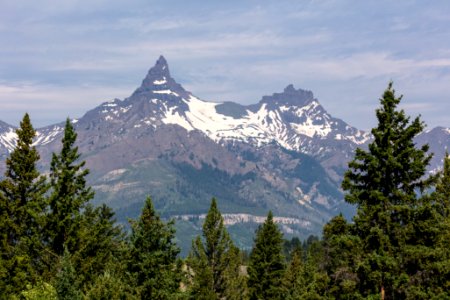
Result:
[[22, 205], [66, 280], [101, 245], [202, 279], [293, 280], [110, 286], [290, 247], [235, 281], [69, 195], [41, 291], [384, 183], [442, 195], [342, 252], [314, 275], [266, 266], [89, 234], [426, 257], [216, 263], [153, 255]]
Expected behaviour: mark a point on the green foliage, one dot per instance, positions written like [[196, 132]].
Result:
[[427, 255], [392, 170], [68, 197], [22, 205], [290, 247], [153, 253], [397, 229], [202, 282], [67, 284], [266, 266], [235, 281], [442, 195], [215, 264], [293, 280], [101, 244], [89, 234], [41, 291], [342, 252], [110, 286]]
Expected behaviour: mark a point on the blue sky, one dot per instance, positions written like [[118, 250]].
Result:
[[61, 58]]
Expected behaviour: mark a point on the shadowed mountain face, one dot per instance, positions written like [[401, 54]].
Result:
[[284, 153]]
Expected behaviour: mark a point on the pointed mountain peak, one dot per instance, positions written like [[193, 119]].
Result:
[[161, 59], [159, 72], [161, 64], [158, 79]]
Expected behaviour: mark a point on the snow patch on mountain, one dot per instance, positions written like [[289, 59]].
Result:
[[43, 138], [259, 127], [109, 104], [359, 138], [169, 92], [173, 117], [160, 82], [203, 116], [309, 129], [8, 139]]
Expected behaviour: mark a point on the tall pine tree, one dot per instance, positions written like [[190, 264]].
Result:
[[443, 202], [101, 245], [69, 195], [442, 194], [429, 251], [342, 252], [216, 262], [202, 279], [22, 206], [293, 279], [266, 266], [66, 280], [384, 183], [153, 255]]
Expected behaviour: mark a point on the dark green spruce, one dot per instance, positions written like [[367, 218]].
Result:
[[342, 252], [22, 207], [266, 267], [294, 280], [66, 281], [215, 262], [395, 221], [69, 195], [101, 245], [442, 194], [153, 256]]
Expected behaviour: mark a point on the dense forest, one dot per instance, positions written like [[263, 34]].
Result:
[[55, 245]]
